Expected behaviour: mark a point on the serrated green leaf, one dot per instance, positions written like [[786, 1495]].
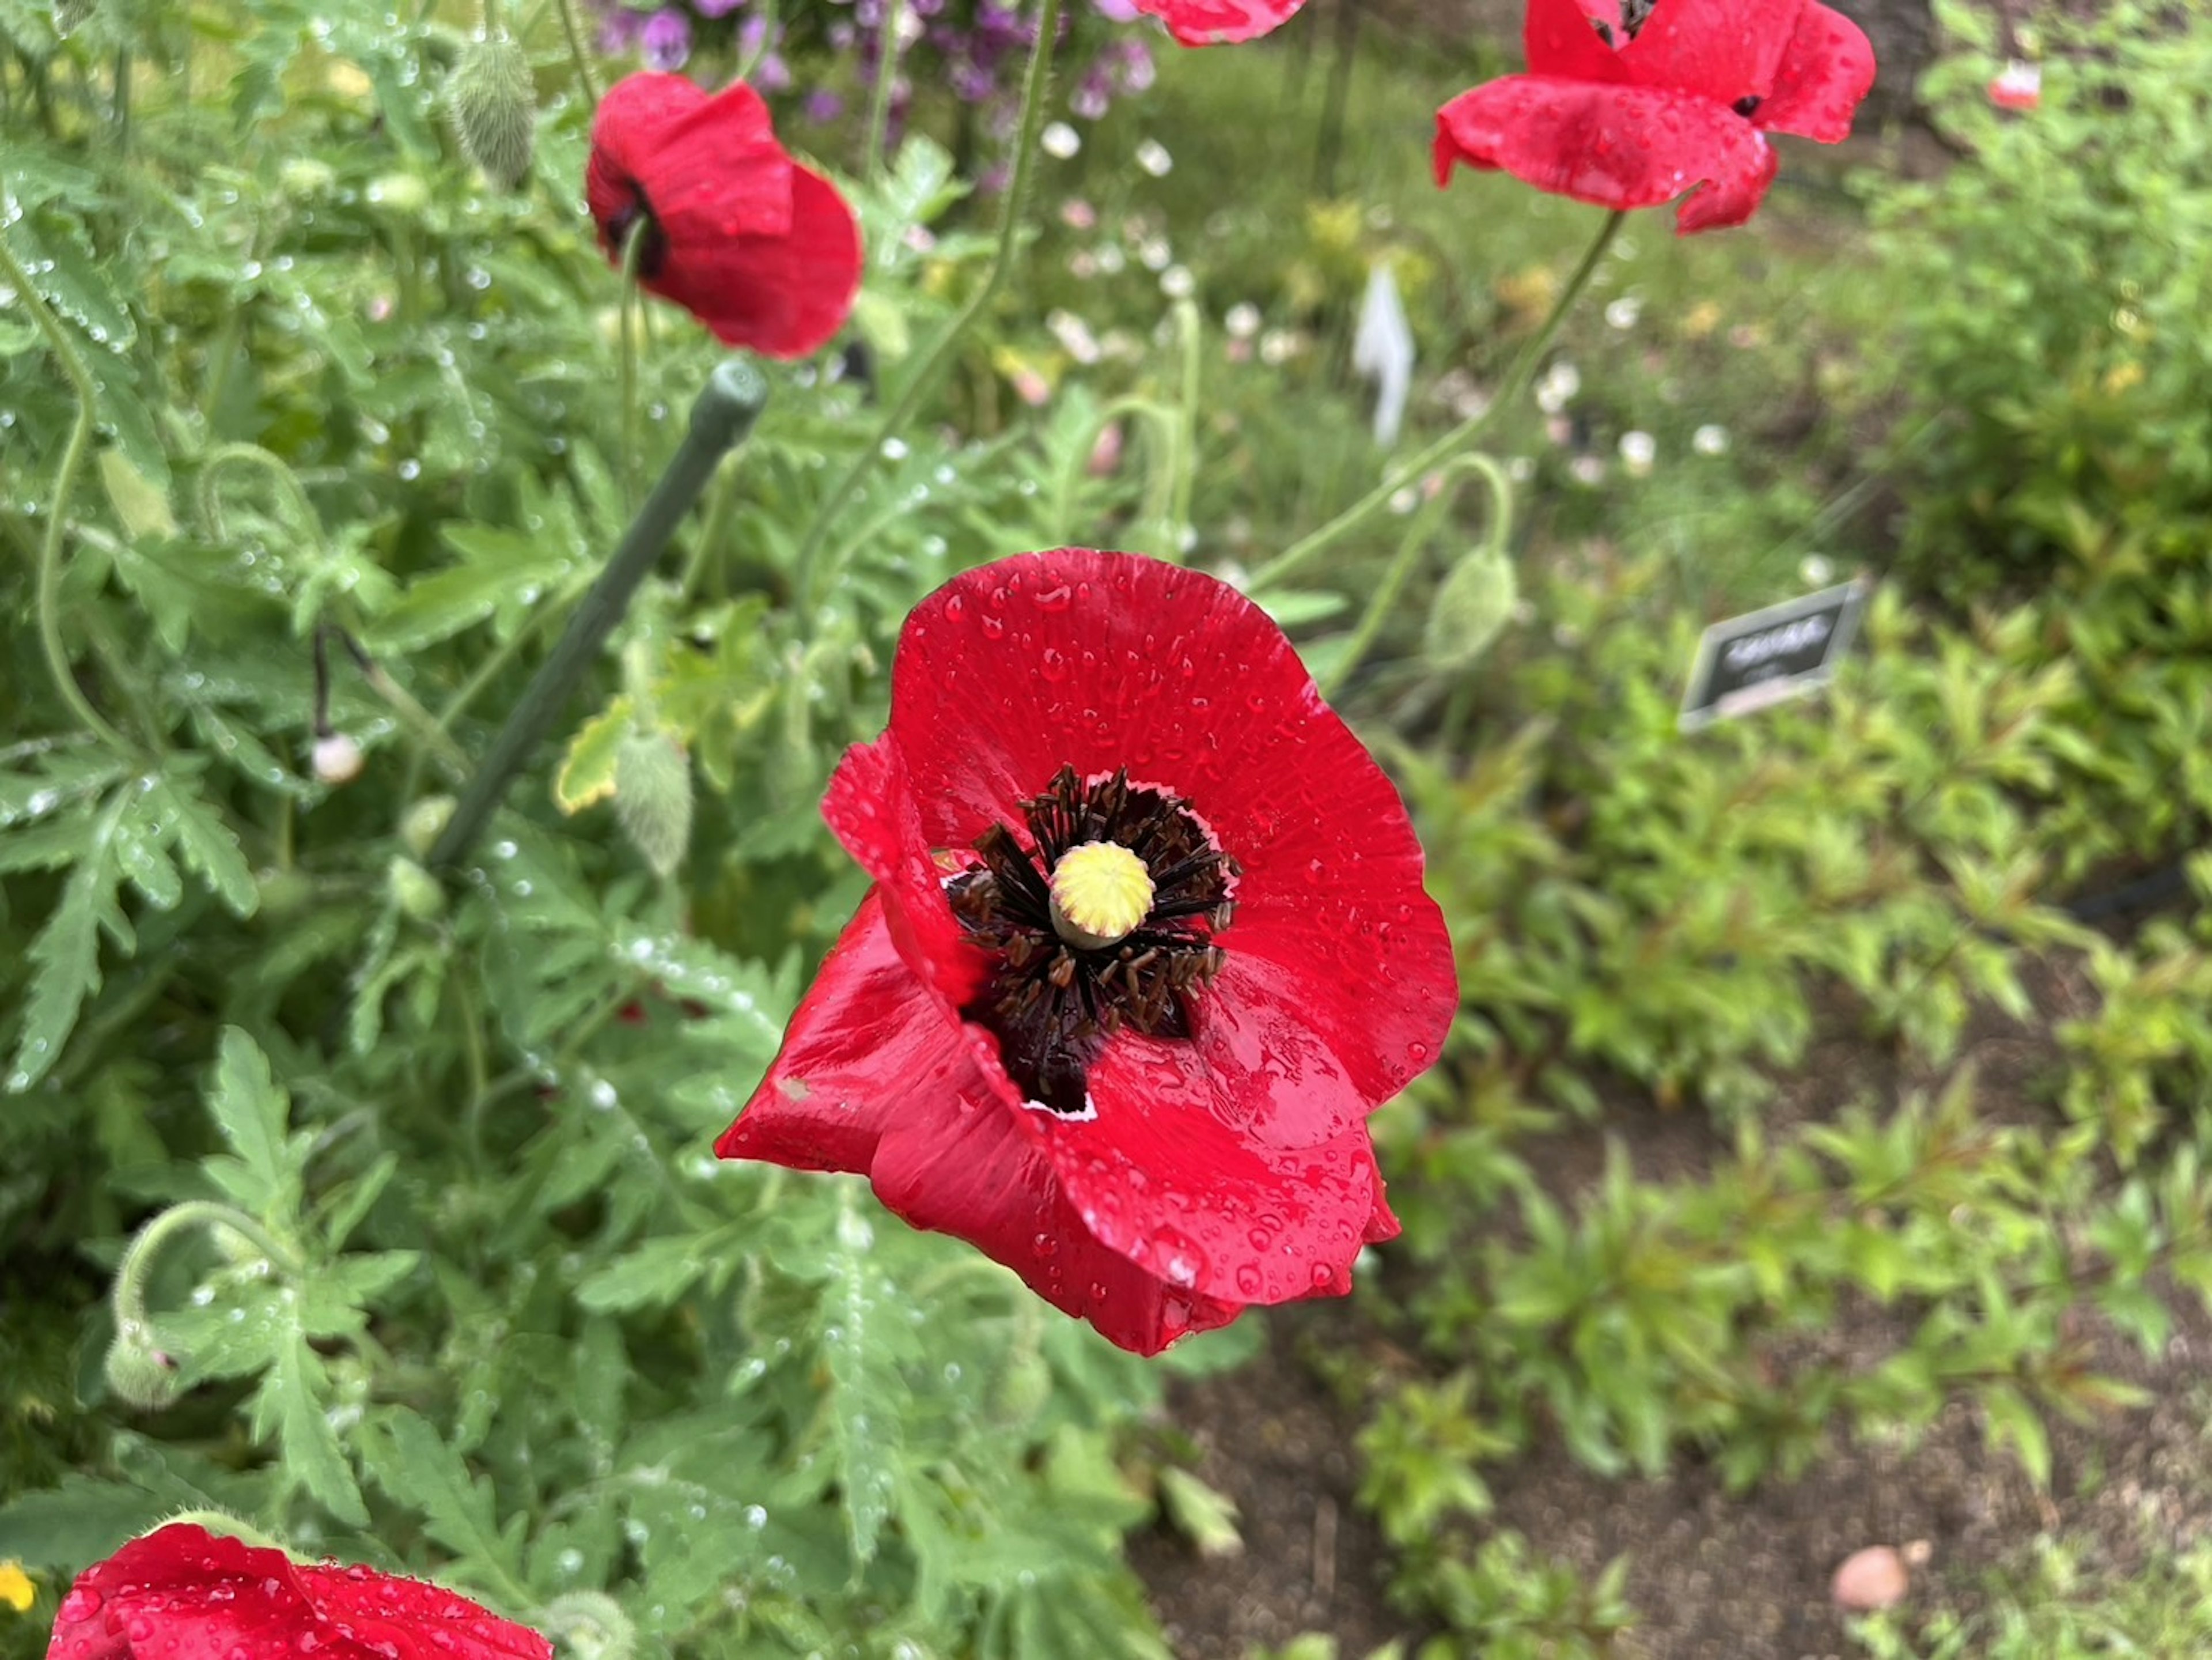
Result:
[[654, 1275], [142, 858], [312, 1452], [75, 1524], [588, 766], [412, 1463], [253, 1114], [71, 280], [141, 505], [66, 957], [458, 598], [208, 845], [864, 1340]]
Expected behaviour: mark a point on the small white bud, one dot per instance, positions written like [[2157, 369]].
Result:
[[337, 759]]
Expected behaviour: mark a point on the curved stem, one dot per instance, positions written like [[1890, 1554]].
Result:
[[633, 250], [879, 100], [1523, 369], [813, 580], [576, 52], [273, 466], [130, 1294], [49, 549], [1432, 515]]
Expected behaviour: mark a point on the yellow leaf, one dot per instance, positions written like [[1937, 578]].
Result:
[[587, 770]]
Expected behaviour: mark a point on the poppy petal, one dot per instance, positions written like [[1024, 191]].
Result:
[[1617, 147], [182, 1593], [1723, 50], [1156, 1177], [1194, 689], [1560, 38], [824, 1104], [1219, 22], [1828, 68], [785, 293], [982, 1173]]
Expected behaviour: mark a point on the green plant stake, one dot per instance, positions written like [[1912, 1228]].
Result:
[[727, 407]]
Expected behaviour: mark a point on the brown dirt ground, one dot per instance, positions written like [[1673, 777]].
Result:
[[1712, 1576]]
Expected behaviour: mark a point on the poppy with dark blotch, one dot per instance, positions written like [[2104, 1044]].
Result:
[[1629, 104], [182, 1593], [763, 250], [1219, 22], [1147, 944]]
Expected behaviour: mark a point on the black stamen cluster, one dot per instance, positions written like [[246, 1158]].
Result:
[[1050, 1004], [653, 252]]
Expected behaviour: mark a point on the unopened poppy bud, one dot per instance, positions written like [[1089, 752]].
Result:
[[1475, 602], [1100, 892], [590, 1626], [424, 822], [415, 891], [337, 759], [140, 1374], [403, 193], [493, 103]]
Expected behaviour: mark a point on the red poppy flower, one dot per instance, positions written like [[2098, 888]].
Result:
[[183, 1593], [1147, 944], [1219, 22], [763, 251], [1632, 114]]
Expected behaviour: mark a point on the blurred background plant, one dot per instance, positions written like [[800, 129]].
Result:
[[1825, 1081]]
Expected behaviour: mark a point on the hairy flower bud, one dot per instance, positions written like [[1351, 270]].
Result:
[[140, 1374], [1474, 603], [493, 104]]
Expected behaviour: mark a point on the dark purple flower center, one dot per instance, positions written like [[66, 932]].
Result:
[[1052, 1003]]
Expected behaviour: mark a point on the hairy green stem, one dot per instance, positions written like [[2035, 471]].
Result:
[[223, 1522], [129, 1297], [1517, 377], [633, 250], [49, 549], [879, 98], [582, 59], [812, 579], [1433, 513], [720, 420]]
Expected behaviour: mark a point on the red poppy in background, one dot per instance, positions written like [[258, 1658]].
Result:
[[1147, 944], [763, 251], [182, 1593], [1219, 22], [1630, 115]]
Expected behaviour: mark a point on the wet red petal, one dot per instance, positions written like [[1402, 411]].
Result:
[[1723, 50], [761, 249], [1158, 1177], [1827, 68], [1219, 22], [1560, 37], [183, 1593], [1617, 147], [863, 1022]]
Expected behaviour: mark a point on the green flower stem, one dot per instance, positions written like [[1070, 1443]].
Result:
[[727, 407], [50, 550], [585, 74], [633, 250], [1432, 514], [130, 1294], [879, 101], [815, 579], [1517, 377], [1190, 331]]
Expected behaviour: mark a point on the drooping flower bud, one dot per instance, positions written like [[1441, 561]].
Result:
[[140, 1374], [493, 103], [1474, 603]]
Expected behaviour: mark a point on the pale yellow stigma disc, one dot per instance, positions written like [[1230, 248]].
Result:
[[1100, 892]]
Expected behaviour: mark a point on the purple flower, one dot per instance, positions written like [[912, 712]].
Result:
[[666, 41], [1115, 11], [1091, 96], [824, 106], [771, 73], [619, 30], [715, 8]]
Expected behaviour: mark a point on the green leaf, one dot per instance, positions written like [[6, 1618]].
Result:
[[66, 957], [654, 1275], [75, 1524], [588, 767], [864, 1338], [312, 1451], [252, 1113], [1206, 1517], [413, 1464], [142, 505], [652, 798], [208, 845], [71, 279]]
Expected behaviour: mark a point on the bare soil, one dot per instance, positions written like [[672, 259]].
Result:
[[1712, 1576]]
